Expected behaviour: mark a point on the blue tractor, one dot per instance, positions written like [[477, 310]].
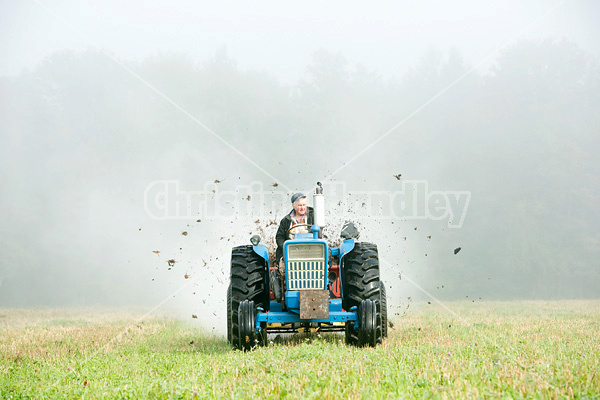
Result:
[[324, 289]]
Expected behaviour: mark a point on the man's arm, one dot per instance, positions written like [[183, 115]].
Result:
[[280, 238]]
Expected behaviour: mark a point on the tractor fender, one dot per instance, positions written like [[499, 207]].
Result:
[[346, 247], [262, 251]]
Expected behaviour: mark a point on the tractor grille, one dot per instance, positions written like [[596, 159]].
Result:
[[306, 275], [306, 266]]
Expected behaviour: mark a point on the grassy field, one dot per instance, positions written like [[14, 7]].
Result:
[[485, 350]]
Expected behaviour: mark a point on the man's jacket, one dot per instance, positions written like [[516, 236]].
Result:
[[284, 225]]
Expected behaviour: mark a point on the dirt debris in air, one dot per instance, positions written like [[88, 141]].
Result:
[[156, 251], [456, 250], [184, 233], [398, 176], [171, 262]]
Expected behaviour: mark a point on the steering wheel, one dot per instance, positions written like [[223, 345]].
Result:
[[297, 226]]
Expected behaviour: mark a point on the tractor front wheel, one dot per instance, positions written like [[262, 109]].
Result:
[[383, 310], [369, 330], [351, 335], [247, 325], [248, 282]]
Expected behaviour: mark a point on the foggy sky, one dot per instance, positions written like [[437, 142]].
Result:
[[280, 38]]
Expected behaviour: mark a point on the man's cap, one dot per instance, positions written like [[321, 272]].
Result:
[[297, 196]]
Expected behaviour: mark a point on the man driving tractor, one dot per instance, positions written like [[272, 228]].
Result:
[[301, 215], [309, 285]]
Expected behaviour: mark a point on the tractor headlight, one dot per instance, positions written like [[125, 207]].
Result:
[[332, 276]]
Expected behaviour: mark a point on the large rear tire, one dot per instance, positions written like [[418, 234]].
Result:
[[361, 275], [229, 312], [248, 282], [361, 282]]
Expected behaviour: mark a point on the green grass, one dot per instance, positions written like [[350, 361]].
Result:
[[490, 350]]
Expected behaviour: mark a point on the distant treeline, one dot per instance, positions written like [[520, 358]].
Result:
[[82, 133]]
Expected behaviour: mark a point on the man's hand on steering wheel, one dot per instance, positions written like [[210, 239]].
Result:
[[297, 226]]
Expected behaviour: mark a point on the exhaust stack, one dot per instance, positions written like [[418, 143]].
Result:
[[319, 206]]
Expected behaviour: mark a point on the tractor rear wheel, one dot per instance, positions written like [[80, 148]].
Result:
[[383, 310], [248, 282], [361, 275], [229, 314], [361, 282]]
